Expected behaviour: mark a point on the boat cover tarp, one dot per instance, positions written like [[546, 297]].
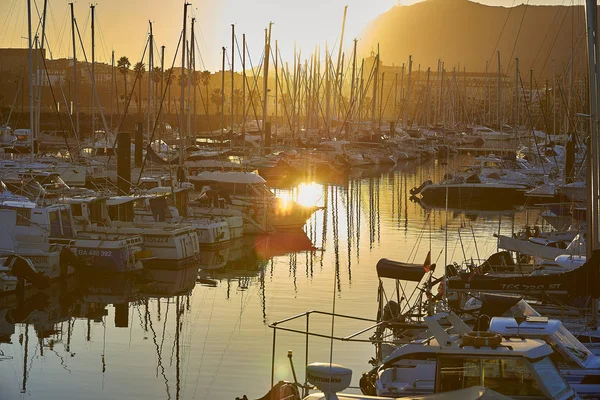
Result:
[[583, 281], [399, 270], [537, 250], [155, 158]]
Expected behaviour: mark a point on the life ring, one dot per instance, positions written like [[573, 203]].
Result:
[[479, 339]]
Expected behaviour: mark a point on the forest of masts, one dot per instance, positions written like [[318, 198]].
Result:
[[335, 96]]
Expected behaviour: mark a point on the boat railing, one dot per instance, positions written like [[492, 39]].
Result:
[[352, 337]]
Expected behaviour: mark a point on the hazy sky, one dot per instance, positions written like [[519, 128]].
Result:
[[122, 25]]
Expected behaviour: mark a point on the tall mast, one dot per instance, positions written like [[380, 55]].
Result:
[[150, 79], [232, 77], [162, 74], [327, 90], [31, 120], [39, 65], [361, 92], [276, 88], [516, 100], [486, 94], [353, 83], [181, 99], [593, 160], [244, 91], [438, 87], [407, 107], [222, 89], [428, 109], [553, 98], [189, 85], [338, 77], [374, 98], [112, 84], [266, 75], [194, 78], [499, 95], [93, 9], [75, 78]]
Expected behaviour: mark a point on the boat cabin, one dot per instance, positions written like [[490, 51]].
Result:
[[552, 332], [445, 362], [234, 184]]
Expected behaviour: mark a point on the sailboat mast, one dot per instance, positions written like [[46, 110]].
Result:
[[407, 104], [428, 109], [593, 161], [188, 103], [75, 78], [244, 91], [232, 77], [276, 88], [162, 76], [31, 120], [338, 75], [553, 97], [327, 90], [40, 76], [181, 99], [353, 82], [499, 96], [222, 89], [516, 100], [150, 79], [194, 79], [266, 76], [112, 85], [93, 9], [375, 84]]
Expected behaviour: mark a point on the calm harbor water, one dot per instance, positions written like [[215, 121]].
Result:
[[203, 334]]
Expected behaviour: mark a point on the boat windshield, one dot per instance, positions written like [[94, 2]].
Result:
[[523, 308], [552, 380], [565, 339]]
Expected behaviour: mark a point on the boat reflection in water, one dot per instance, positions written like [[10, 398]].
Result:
[[74, 314]]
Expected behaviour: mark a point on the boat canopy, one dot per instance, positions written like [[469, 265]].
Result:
[[229, 177], [399, 270]]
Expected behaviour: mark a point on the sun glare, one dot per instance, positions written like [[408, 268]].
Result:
[[310, 194]]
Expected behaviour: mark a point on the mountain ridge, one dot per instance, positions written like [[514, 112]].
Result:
[[468, 33]]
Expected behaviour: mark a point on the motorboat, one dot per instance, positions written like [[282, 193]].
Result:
[[458, 358]]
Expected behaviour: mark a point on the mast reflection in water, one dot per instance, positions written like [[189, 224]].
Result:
[[202, 333]]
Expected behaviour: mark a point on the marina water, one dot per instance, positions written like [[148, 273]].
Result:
[[204, 334]]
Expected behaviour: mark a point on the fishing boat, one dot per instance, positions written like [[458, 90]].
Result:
[[100, 217]]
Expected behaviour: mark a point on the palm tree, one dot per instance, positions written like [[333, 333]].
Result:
[[205, 79], [140, 70], [216, 98], [123, 65]]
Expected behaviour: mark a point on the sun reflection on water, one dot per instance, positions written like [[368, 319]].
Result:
[[305, 194]]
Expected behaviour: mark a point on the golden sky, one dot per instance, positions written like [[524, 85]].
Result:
[[122, 25]]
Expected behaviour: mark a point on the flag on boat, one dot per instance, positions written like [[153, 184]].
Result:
[[427, 264]]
